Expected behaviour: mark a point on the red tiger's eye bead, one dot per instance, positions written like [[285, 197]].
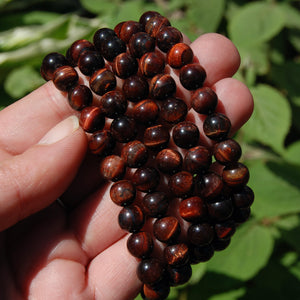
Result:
[[122, 192], [92, 119], [166, 229], [225, 230], [243, 197], [201, 253], [155, 204], [51, 63], [126, 29], [177, 254], [204, 100], [135, 154], [112, 168], [156, 137], [102, 143], [216, 126], [181, 184], [173, 110], [221, 209], [220, 245], [123, 129], [162, 86], [78, 47], [124, 65], [154, 24], [140, 244], [90, 61], [135, 88], [168, 161], [210, 185], [155, 292], [65, 77], [179, 275], [102, 36], [167, 37], [146, 112], [146, 16], [146, 179], [150, 271], [197, 159], [227, 152], [192, 76], [151, 64], [113, 104], [141, 43], [235, 175], [186, 134], [200, 234], [102, 81], [79, 97], [131, 218], [193, 209], [241, 214], [113, 47], [118, 28], [180, 55]]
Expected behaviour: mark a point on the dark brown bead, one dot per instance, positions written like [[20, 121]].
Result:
[[123, 129], [102, 36], [220, 245], [197, 159], [227, 152], [141, 43], [122, 192], [112, 47], [186, 134], [241, 214], [140, 244], [150, 271], [112, 168], [221, 209], [177, 254], [166, 229], [65, 77], [225, 230], [156, 137], [90, 61], [201, 253], [167, 37], [243, 197], [180, 55], [135, 154], [102, 81], [135, 88], [155, 204], [210, 185], [162, 86], [101, 143], [124, 65], [131, 218], [146, 112], [235, 175], [79, 97], [179, 275], [146, 179], [193, 209], [181, 184], [200, 234], [126, 29], [173, 110], [204, 100], [151, 64], [51, 63], [92, 119], [216, 126], [192, 76], [158, 291], [146, 16], [113, 104], [78, 47], [155, 24], [168, 161], [118, 28]]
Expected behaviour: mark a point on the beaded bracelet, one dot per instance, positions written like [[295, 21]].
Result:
[[192, 197]]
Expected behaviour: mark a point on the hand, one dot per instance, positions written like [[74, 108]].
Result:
[[48, 252]]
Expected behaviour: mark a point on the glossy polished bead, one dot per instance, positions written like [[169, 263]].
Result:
[[140, 244], [227, 152], [113, 47], [151, 64], [225, 230], [181, 184], [123, 129], [141, 43], [200, 234], [113, 104], [155, 24], [135, 88], [162, 86], [146, 112], [101, 36], [79, 97], [201, 253], [156, 137], [92, 119], [167, 37], [210, 185], [146, 16], [65, 77], [102, 81], [135, 154], [192, 76], [204, 100], [146, 179], [101, 143], [186, 134], [166, 229], [124, 65], [90, 61], [180, 55], [150, 271], [112, 168], [221, 209], [241, 214], [126, 29], [168, 161], [220, 245], [216, 126], [179, 275], [131, 218], [177, 254], [235, 175], [173, 110], [155, 204], [197, 159], [51, 63], [243, 197], [122, 192], [78, 47], [159, 291], [193, 209]]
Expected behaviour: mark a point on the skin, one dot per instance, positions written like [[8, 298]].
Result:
[[48, 252]]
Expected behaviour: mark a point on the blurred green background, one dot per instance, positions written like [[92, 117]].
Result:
[[262, 261]]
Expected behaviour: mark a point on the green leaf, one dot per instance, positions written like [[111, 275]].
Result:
[[292, 15], [256, 23], [229, 295], [291, 154], [100, 6], [271, 118], [247, 254]]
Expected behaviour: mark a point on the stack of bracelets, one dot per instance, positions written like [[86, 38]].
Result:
[[181, 200]]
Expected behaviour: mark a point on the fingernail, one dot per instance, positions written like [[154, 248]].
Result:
[[60, 131]]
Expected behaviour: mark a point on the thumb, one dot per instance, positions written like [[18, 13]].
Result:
[[34, 179]]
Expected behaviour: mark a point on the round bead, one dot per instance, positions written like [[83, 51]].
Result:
[[179, 275], [134, 154], [193, 209], [235, 175], [180, 55], [113, 104], [123, 129], [124, 65], [216, 126], [146, 112], [200, 234], [241, 214], [162, 86], [166, 229], [181, 184], [140, 244], [131, 218], [150, 271], [220, 245], [135, 88], [78, 48], [146, 16], [141, 43], [201, 253], [155, 204], [92, 119], [155, 24], [156, 137], [112, 168], [101, 37], [177, 254], [227, 151], [186, 134], [192, 76], [151, 64], [65, 77], [122, 192], [168, 161], [221, 209], [102, 81], [113, 47], [225, 229], [173, 110], [79, 97], [90, 61], [204, 101], [167, 37], [158, 291], [101, 143], [146, 179], [210, 185], [243, 197], [197, 159], [126, 29]]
